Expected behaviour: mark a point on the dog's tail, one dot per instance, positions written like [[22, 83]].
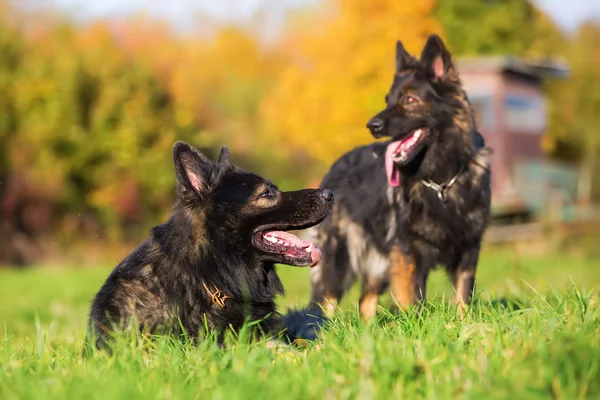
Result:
[[303, 324]]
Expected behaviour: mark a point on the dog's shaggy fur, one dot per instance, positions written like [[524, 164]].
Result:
[[416, 201], [213, 262]]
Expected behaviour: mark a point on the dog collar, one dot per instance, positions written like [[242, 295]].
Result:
[[442, 189]]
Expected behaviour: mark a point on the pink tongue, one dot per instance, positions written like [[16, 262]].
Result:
[[315, 256], [390, 167], [288, 237], [315, 252]]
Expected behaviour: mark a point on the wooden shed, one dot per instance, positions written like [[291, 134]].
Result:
[[511, 113]]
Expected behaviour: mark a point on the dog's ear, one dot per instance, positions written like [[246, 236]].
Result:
[[402, 57], [436, 59], [193, 170], [225, 159]]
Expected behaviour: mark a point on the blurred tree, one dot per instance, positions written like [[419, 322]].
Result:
[[548, 39], [499, 27], [487, 27], [11, 49], [340, 70], [90, 114], [93, 127], [574, 117], [216, 81]]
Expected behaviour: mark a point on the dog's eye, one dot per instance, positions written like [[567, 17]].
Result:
[[266, 194], [409, 100]]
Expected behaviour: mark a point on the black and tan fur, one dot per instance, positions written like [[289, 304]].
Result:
[[394, 236], [207, 263]]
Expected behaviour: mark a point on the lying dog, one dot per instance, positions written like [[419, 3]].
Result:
[[213, 262]]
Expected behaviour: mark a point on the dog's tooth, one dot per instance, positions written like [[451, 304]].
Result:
[[309, 248]]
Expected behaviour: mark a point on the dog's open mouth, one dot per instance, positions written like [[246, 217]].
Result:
[[402, 151], [292, 249]]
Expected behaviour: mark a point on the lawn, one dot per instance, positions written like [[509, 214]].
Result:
[[534, 332]]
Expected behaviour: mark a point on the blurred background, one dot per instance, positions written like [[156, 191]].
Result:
[[94, 94]]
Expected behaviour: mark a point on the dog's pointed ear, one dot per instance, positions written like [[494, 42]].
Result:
[[436, 59], [193, 170], [225, 159], [402, 57]]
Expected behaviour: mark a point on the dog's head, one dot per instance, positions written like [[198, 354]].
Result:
[[426, 109], [245, 213]]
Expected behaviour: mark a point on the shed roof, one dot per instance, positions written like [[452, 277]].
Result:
[[540, 69]]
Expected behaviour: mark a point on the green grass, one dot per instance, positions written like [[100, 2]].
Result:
[[544, 344]]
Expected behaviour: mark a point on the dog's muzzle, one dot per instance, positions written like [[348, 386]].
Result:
[[376, 125]]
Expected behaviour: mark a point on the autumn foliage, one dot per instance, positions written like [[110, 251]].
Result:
[[342, 65], [89, 113], [89, 117]]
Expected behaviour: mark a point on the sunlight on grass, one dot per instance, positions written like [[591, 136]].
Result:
[[532, 332]]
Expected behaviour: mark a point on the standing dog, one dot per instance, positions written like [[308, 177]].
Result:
[[213, 262], [416, 201]]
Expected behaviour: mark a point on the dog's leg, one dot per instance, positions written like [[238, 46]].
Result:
[[368, 304], [372, 288], [463, 280], [407, 280], [332, 278], [464, 283], [323, 293], [373, 268], [329, 304]]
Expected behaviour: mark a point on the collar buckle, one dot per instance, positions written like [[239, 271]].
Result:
[[442, 190]]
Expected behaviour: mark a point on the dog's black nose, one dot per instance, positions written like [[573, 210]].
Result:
[[375, 124], [327, 195]]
